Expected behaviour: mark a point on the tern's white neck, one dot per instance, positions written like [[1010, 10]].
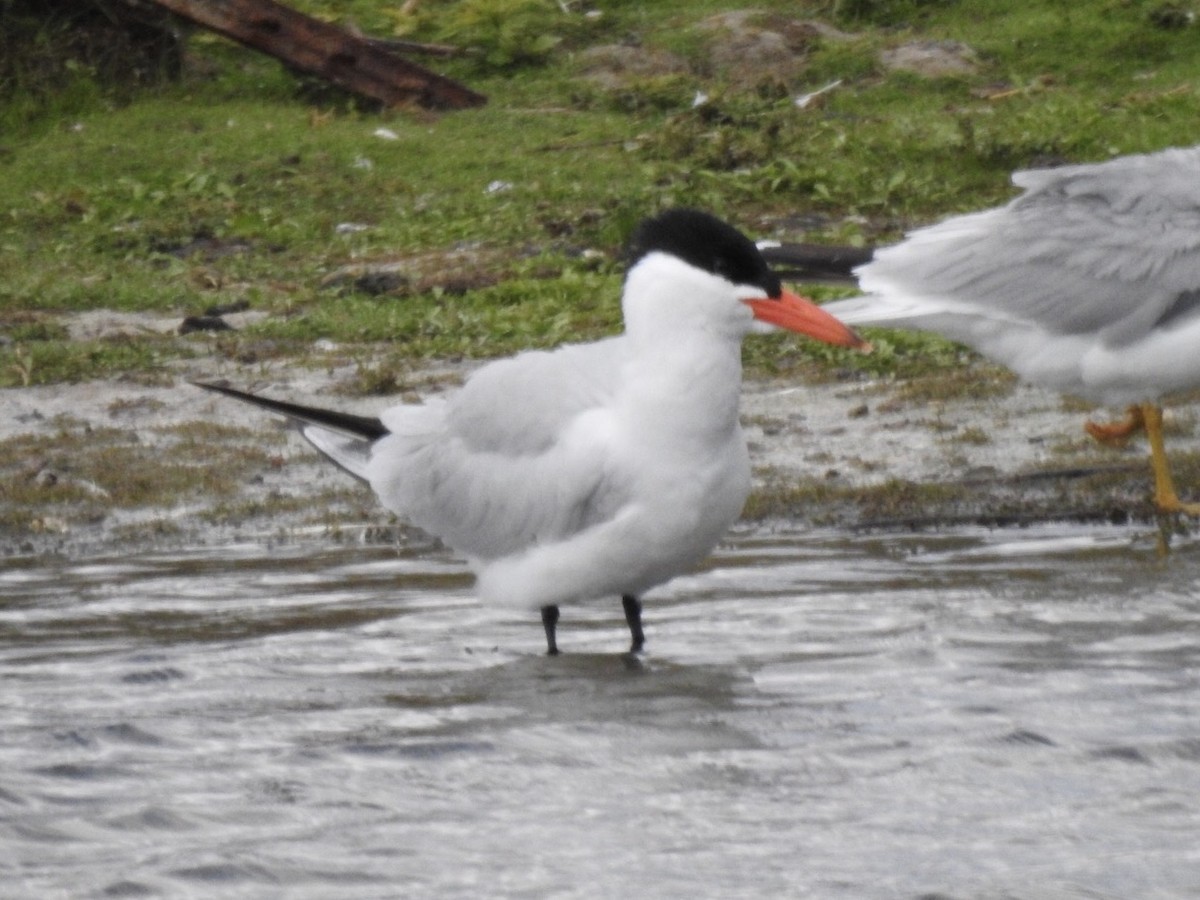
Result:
[[665, 299], [683, 329]]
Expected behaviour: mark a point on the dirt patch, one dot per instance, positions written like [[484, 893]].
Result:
[[743, 48], [744, 45], [108, 324], [931, 59], [454, 272], [614, 66]]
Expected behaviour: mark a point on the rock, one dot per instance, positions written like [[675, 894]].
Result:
[[204, 323]]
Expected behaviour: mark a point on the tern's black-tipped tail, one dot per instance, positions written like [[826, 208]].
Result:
[[362, 427], [344, 438]]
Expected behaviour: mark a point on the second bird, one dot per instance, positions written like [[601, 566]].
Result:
[[1088, 283]]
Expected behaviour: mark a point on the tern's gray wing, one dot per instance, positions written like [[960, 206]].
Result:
[[1110, 249], [518, 457], [522, 404]]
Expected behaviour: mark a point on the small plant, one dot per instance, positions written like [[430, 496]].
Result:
[[22, 365]]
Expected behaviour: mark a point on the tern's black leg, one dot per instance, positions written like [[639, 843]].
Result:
[[633, 615], [549, 622]]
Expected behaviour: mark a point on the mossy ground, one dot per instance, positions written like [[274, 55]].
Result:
[[231, 184]]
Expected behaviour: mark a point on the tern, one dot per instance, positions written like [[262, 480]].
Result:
[[595, 469], [1087, 283]]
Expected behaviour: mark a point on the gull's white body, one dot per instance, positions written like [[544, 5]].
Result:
[[594, 470], [1088, 283]]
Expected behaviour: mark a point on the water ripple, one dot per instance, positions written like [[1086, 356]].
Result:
[[962, 714]]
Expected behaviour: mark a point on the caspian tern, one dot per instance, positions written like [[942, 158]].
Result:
[[1087, 283], [593, 470]]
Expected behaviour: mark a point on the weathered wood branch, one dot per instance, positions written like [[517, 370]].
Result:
[[351, 62]]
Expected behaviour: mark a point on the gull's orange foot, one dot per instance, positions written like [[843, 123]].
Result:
[[1173, 505], [1118, 432], [1166, 500]]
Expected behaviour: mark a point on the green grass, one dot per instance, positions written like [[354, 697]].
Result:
[[113, 199]]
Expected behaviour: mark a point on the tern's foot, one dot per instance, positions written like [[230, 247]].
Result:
[[550, 623], [633, 617], [1118, 432]]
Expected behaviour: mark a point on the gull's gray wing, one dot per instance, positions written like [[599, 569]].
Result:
[[1110, 248]]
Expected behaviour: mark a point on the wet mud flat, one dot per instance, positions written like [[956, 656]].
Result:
[[160, 463]]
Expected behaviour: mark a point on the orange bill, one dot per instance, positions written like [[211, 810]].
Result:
[[799, 314]]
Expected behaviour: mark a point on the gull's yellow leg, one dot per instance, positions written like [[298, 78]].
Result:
[[1165, 497], [1117, 433]]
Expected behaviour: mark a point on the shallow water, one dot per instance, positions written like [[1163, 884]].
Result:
[[977, 714]]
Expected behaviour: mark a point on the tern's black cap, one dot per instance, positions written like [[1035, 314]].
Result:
[[706, 242]]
